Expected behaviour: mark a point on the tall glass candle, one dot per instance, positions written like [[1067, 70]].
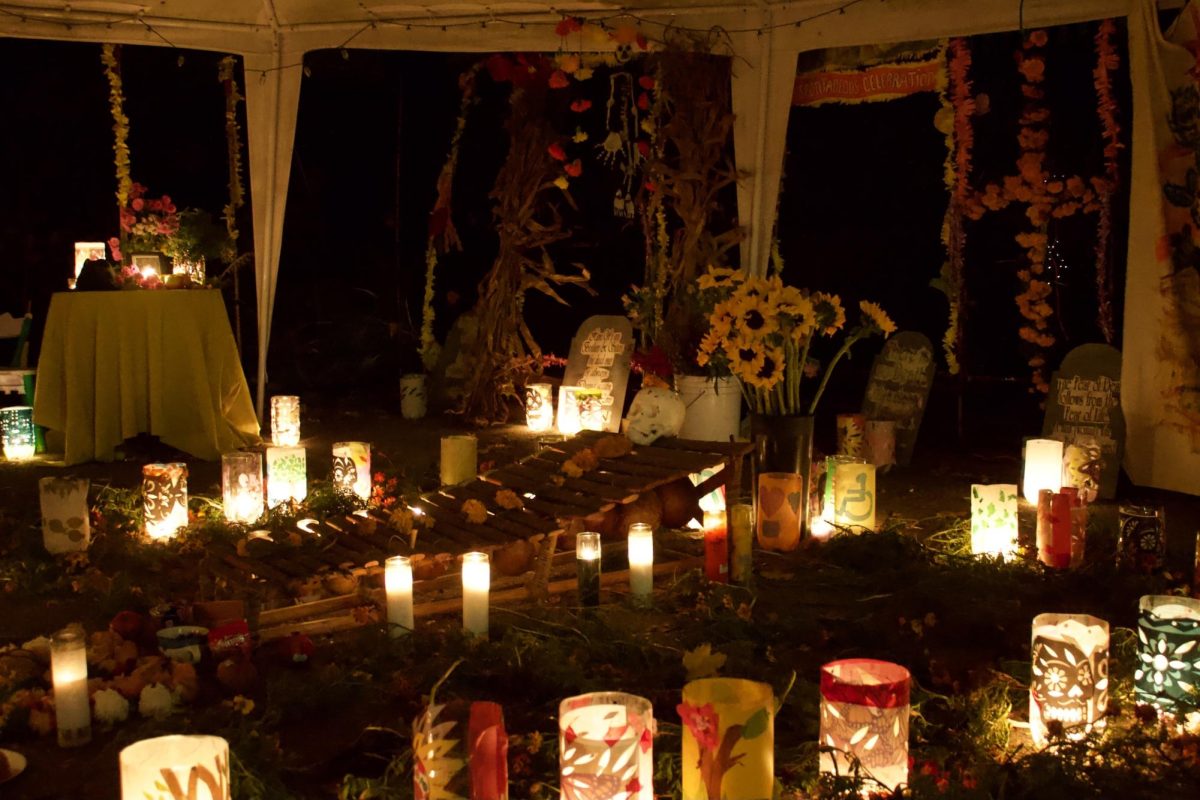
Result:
[[285, 420], [352, 468], [18, 431], [1043, 467], [641, 562], [398, 583], [164, 499], [1069, 676], [587, 564], [69, 672], [741, 543], [539, 407], [191, 767], [459, 459], [716, 547], [242, 486], [287, 475], [477, 581]]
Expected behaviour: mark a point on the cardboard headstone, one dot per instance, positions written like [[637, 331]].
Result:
[[898, 387], [1084, 408], [599, 359]]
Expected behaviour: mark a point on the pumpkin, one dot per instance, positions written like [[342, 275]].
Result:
[[647, 508], [237, 674], [680, 504]]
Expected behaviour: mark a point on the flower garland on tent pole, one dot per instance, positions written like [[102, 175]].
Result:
[[1107, 62], [958, 104], [110, 56], [237, 196]]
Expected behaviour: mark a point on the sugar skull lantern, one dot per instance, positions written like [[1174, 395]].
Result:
[[65, 524], [185, 767], [606, 747], [864, 720], [287, 475], [460, 750], [994, 519], [352, 468], [1069, 680], [1168, 666], [164, 499], [728, 739], [539, 407]]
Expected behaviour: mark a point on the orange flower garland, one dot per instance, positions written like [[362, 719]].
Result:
[[1107, 62], [959, 140]]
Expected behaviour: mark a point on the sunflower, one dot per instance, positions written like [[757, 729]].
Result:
[[719, 278], [746, 356], [830, 314], [769, 371], [804, 317], [876, 317], [712, 340], [754, 315]]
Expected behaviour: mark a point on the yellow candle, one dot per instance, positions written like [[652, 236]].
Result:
[[68, 667], [476, 580], [398, 582], [459, 455], [641, 562]]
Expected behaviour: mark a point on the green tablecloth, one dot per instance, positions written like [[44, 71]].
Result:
[[117, 364]]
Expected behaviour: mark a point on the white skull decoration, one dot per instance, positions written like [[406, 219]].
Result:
[[655, 413]]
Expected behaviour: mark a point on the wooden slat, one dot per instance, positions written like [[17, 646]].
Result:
[[541, 477], [447, 511], [548, 510], [522, 485]]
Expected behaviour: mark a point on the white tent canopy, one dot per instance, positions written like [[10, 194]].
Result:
[[767, 36]]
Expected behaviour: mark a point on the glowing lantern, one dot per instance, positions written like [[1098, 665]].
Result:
[[854, 495], [413, 395], [780, 495], [1142, 543], [18, 431], [1043, 467], [459, 462], [164, 499], [65, 524], [460, 750], [539, 407], [587, 565], [476, 585], [285, 420], [398, 584], [352, 468], [191, 767], [287, 475], [569, 423], [1069, 682], [242, 487], [864, 719], [728, 739], [1168, 665], [1055, 527], [606, 747], [716, 547], [994, 519], [69, 674]]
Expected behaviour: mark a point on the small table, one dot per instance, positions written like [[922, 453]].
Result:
[[117, 364]]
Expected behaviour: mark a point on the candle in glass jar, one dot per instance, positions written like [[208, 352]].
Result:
[[398, 582], [587, 563], [477, 581], [285, 420], [242, 487], [716, 547], [641, 562], [69, 672]]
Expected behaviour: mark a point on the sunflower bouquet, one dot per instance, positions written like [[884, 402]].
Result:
[[762, 332]]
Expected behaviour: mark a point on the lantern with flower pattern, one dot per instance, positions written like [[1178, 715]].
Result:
[[864, 720], [164, 499], [1069, 681], [728, 739], [606, 747], [352, 468], [1168, 666]]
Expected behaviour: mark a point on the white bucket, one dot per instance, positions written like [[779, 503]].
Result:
[[412, 395], [714, 408]]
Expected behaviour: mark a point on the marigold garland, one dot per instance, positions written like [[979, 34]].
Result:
[[110, 57], [1107, 62], [237, 196], [958, 102]]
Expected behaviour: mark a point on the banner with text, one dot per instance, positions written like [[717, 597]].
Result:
[[883, 82]]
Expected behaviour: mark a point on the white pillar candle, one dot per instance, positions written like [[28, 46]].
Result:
[[285, 420], [476, 580], [287, 475], [352, 467], [242, 487], [458, 464], [69, 672], [1043, 467], [539, 407], [641, 562], [994, 519], [569, 422], [398, 581], [164, 499], [192, 767]]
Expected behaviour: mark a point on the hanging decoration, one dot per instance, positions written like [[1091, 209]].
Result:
[[1107, 63], [226, 74], [110, 56], [958, 106], [619, 150]]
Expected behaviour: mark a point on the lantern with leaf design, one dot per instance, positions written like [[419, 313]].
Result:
[[1069, 680], [606, 747], [287, 475], [460, 750], [994, 519], [728, 739], [65, 524], [864, 720], [178, 767], [164, 499], [352, 468]]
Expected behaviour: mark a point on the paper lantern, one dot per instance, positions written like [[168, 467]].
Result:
[[852, 435], [1069, 680], [287, 475], [780, 495], [1142, 542], [69, 674], [587, 565], [18, 431], [285, 420], [641, 562], [606, 747], [1196, 569], [65, 524], [994, 519], [352, 468], [164, 499], [539, 407], [1043, 467], [398, 584], [85, 252], [1054, 529], [1168, 666], [242, 487], [184, 767], [823, 525], [854, 495], [741, 544], [728, 739], [716, 547], [864, 720], [460, 750], [476, 583], [580, 408], [881, 443], [459, 462], [413, 396], [1079, 525]]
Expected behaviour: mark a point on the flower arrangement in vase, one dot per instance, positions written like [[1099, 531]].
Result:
[[148, 224]]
